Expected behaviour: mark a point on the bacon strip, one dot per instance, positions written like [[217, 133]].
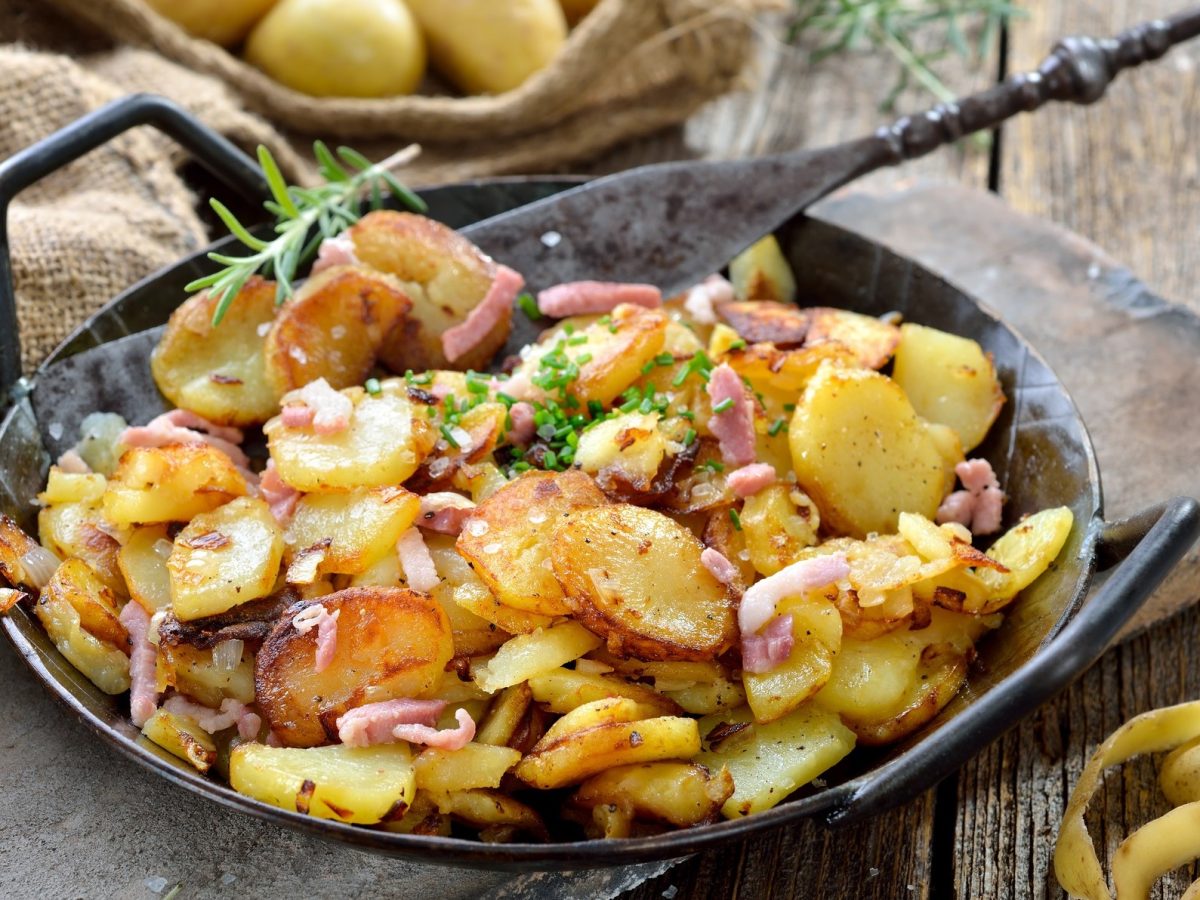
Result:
[[444, 739], [523, 427], [168, 429], [758, 603], [376, 722], [702, 300], [733, 428], [232, 712], [494, 308], [143, 663], [719, 565], [751, 479], [444, 512], [281, 497], [419, 570], [319, 405], [581, 298], [980, 505], [338, 250], [317, 616], [764, 652], [72, 463]]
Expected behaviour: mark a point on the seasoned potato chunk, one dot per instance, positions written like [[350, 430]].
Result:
[[762, 273], [103, 663], [71, 487], [355, 529], [224, 558], [777, 523], [473, 634], [143, 563], [862, 453], [527, 655], [780, 376], [1026, 550], [333, 328], [817, 632], [474, 766], [170, 484], [492, 812], [79, 530], [193, 671], [361, 785], [391, 643], [872, 340], [504, 715], [383, 445], [634, 576], [623, 453], [508, 537], [17, 550], [949, 380], [80, 585], [182, 736], [218, 371], [681, 794], [562, 690]]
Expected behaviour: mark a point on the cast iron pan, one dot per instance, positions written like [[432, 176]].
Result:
[[1039, 446]]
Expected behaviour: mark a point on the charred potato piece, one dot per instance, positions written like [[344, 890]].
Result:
[[170, 484], [508, 537], [762, 273], [81, 586], [475, 766], [871, 339], [77, 530], [700, 485], [527, 655], [15, 547], [194, 672], [249, 622], [680, 794], [183, 737], [333, 328], [104, 664], [143, 564], [634, 576], [354, 530], [218, 371], [730, 541], [390, 643], [758, 321], [445, 276]]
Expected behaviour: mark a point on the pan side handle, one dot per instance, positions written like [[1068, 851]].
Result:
[[211, 150], [1144, 548]]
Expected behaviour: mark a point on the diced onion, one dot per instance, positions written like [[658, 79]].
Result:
[[227, 655], [163, 548], [39, 565]]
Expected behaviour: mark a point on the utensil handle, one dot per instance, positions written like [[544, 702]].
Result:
[[1149, 545], [1079, 70], [50, 154]]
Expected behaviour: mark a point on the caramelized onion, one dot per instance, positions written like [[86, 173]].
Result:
[[39, 565]]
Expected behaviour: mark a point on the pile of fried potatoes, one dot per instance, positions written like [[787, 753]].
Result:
[[572, 618]]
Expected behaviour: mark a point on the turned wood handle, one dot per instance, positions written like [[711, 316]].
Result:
[[1079, 70]]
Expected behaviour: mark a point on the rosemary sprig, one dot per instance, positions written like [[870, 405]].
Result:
[[304, 218]]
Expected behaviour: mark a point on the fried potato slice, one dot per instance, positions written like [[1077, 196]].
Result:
[[766, 321], [361, 785], [634, 576], [80, 530], [333, 328], [817, 632], [193, 671], [475, 766], [170, 484], [72, 487], [218, 372], [224, 558], [527, 655], [872, 340], [486, 809], [562, 690], [780, 376], [143, 564], [355, 529], [15, 549], [473, 634], [104, 664], [445, 276], [183, 737], [680, 794], [761, 272], [777, 523], [391, 643], [623, 453], [509, 536], [81, 586], [1026, 550], [504, 715]]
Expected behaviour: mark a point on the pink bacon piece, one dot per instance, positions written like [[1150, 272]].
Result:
[[317, 616], [182, 427], [766, 651], [319, 405], [281, 497], [443, 739], [73, 464], [719, 565], [496, 305], [523, 427], [980, 506], [143, 663], [232, 712], [376, 723], [758, 603], [702, 300], [419, 570], [581, 298], [734, 426], [751, 479], [444, 512], [335, 251]]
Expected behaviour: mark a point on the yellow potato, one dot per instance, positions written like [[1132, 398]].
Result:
[[949, 380], [484, 47], [817, 631], [70, 487], [340, 48], [80, 585], [143, 563], [562, 690], [355, 530], [762, 273], [871, 339], [170, 484], [1026, 550], [103, 663], [473, 634], [15, 550], [527, 655], [504, 715], [681, 794], [494, 813], [362, 785], [79, 530], [193, 671], [223, 22], [777, 523], [623, 453], [475, 766], [183, 737]]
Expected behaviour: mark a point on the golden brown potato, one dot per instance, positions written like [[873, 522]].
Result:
[[391, 643], [71, 487], [15, 545], [143, 563], [777, 523], [634, 576], [817, 632], [473, 634], [700, 486], [755, 321], [562, 690], [104, 664], [762, 273], [486, 809], [333, 328], [872, 339], [193, 671], [1026, 551], [527, 655], [170, 484], [444, 275], [354, 530], [217, 371], [730, 541], [508, 537], [183, 737], [681, 794], [780, 376], [223, 22], [623, 453], [81, 586], [504, 715], [78, 530], [477, 765]]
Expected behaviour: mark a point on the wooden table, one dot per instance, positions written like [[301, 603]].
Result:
[[1124, 174]]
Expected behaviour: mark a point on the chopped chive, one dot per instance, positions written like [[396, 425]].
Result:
[[506, 399], [477, 387], [776, 427], [577, 341], [629, 405], [713, 466], [568, 329], [687, 414], [449, 437], [646, 405], [573, 439], [595, 408], [789, 407], [689, 437], [664, 359], [550, 458], [739, 344], [735, 518], [723, 406], [583, 359], [521, 466], [529, 306], [648, 367], [547, 432], [373, 387]]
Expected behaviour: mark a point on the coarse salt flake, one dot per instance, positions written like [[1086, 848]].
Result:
[[491, 548], [477, 528], [551, 239]]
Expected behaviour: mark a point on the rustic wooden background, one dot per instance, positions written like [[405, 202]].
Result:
[[1126, 175]]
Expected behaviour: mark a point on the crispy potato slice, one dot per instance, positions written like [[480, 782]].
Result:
[[79, 530], [183, 737], [473, 634], [562, 690], [421, 817], [383, 445], [193, 671], [143, 564], [170, 484], [333, 328], [1026, 550], [730, 541], [105, 665], [634, 576], [486, 809], [461, 587], [81, 586], [862, 453], [681, 794], [707, 698], [872, 340], [623, 453], [779, 377], [701, 485], [949, 380], [391, 643], [356, 529], [526, 655], [508, 537], [817, 631], [16, 550], [445, 276], [766, 321], [72, 487], [476, 765], [777, 523], [361, 785], [217, 371], [761, 272], [224, 558], [504, 715]]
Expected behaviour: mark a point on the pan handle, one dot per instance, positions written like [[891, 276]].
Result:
[[50, 154], [1146, 546]]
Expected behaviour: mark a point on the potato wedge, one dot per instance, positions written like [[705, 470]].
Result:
[[218, 371], [681, 794], [948, 380], [224, 558], [183, 737], [361, 785], [528, 655], [508, 537], [71, 487], [170, 484], [862, 453], [356, 529], [634, 576], [562, 690], [761, 272], [391, 643], [766, 321], [104, 664], [817, 631], [504, 715], [143, 564], [1026, 550], [474, 766], [333, 328], [777, 523], [79, 530], [872, 340], [383, 445]]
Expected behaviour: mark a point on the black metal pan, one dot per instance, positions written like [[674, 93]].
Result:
[[1039, 447]]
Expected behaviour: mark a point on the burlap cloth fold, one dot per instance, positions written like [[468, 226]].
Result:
[[84, 234]]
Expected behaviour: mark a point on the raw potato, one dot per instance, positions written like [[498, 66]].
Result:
[[769, 762], [218, 371], [762, 273], [193, 672], [391, 643], [475, 766], [1026, 550], [681, 794], [817, 631], [949, 380], [484, 47], [872, 340], [777, 523], [634, 576], [170, 484], [562, 690], [143, 563], [361, 527], [383, 445], [528, 655], [333, 328], [224, 558], [104, 664], [509, 536], [182, 736], [340, 48], [444, 275], [862, 453], [361, 785], [78, 530], [223, 22]]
